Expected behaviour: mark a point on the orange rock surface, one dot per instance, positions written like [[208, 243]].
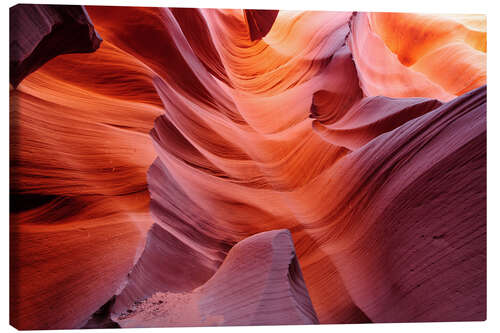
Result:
[[136, 168]]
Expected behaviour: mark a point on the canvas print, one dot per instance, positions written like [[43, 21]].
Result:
[[226, 167]]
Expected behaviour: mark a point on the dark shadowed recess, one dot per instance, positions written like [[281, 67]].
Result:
[[46, 32], [260, 22], [101, 318], [24, 202]]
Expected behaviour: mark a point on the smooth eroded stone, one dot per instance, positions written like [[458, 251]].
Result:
[[259, 283]]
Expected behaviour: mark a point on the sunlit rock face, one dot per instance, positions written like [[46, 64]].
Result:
[[165, 166]]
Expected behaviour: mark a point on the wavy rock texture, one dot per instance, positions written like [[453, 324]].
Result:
[[259, 283], [421, 235], [188, 131]]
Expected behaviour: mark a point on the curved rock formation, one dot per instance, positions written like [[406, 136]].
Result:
[[136, 172], [39, 33], [369, 118], [259, 283], [414, 249]]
